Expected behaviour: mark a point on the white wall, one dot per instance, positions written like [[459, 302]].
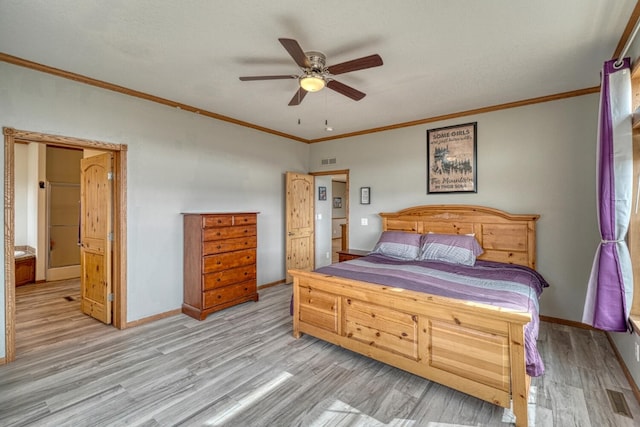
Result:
[[21, 194], [177, 162], [323, 222], [535, 159], [37, 209]]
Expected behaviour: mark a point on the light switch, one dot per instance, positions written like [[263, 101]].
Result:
[[364, 221], [319, 216]]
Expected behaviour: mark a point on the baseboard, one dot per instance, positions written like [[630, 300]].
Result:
[[269, 285], [153, 318], [159, 316], [566, 322], [625, 370]]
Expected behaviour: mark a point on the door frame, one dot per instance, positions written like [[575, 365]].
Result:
[[346, 207], [12, 135]]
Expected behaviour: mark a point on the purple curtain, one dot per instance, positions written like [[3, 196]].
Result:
[[610, 289]]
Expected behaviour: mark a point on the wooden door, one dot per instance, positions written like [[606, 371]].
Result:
[[95, 232], [300, 215]]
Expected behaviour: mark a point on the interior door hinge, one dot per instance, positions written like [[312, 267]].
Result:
[[110, 297], [110, 176]]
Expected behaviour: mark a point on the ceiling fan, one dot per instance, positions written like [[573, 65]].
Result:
[[316, 75]]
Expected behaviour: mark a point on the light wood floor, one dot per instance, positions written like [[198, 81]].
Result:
[[242, 367]]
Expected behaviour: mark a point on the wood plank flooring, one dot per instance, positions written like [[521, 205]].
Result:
[[242, 367]]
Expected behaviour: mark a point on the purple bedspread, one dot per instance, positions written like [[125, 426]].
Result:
[[504, 285]]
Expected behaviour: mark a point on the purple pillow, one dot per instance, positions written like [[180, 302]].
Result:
[[452, 248], [399, 245]]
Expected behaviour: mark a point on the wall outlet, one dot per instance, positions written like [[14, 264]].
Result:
[[328, 256], [364, 221]]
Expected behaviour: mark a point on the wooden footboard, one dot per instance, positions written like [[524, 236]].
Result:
[[474, 348]]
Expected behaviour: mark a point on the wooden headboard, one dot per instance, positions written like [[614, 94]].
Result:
[[505, 237]]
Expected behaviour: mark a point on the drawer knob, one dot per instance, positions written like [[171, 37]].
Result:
[[219, 279], [219, 247]]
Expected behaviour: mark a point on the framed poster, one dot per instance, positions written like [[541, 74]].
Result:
[[451, 159], [322, 193], [365, 195], [337, 202]]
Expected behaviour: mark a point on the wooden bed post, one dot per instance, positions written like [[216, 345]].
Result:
[[295, 307], [519, 380]]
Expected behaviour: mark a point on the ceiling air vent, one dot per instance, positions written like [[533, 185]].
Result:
[[328, 161]]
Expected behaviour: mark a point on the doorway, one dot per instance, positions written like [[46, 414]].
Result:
[[339, 218], [332, 215], [11, 136], [62, 212]]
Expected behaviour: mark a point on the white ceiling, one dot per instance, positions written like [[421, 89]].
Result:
[[440, 56]]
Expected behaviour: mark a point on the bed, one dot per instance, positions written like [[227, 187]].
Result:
[[478, 348]]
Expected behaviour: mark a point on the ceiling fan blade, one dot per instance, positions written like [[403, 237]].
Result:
[[346, 90], [298, 97], [356, 64], [296, 52], [249, 78]]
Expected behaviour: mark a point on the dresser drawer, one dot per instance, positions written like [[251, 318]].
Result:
[[228, 293], [228, 260], [247, 219], [217, 221], [209, 221], [228, 232], [218, 246], [228, 277]]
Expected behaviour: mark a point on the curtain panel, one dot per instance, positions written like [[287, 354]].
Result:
[[610, 288]]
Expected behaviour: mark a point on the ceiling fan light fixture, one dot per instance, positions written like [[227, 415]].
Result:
[[312, 82]]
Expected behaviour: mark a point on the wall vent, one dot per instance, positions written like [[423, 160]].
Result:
[[619, 403], [328, 161]]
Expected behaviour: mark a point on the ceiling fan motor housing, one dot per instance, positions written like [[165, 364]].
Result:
[[317, 60], [314, 77]]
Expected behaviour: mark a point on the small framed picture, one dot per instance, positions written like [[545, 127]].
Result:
[[337, 202], [322, 193], [365, 195]]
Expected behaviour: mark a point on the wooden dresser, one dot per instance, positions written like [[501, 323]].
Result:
[[219, 261], [349, 254]]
